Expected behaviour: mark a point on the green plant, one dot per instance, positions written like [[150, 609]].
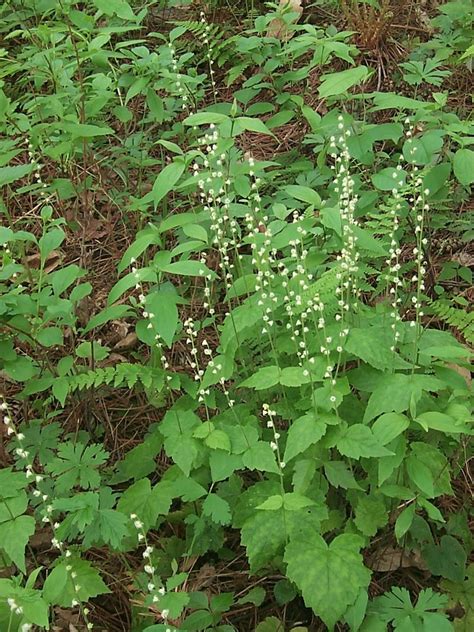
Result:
[[274, 316]]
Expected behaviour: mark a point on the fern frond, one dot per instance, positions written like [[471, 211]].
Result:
[[461, 320]]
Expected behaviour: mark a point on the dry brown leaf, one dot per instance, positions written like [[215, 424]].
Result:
[[390, 559], [53, 260], [128, 342], [277, 27]]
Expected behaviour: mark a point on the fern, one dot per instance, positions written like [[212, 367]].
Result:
[[324, 289], [122, 375], [461, 320]]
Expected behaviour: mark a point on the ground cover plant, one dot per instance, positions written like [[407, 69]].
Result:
[[235, 325]]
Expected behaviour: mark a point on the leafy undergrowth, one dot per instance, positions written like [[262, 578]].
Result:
[[234, 316]]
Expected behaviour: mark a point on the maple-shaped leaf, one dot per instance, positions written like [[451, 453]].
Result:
[[58, 589], [330, 576], [77, 464], [217, 509]]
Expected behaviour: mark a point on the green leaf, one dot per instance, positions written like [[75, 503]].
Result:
[[58, 587], [205, 118], [113, 312], [303, 433], [163, 313], [255, 596], [339, 475], [272, 504], [50, 241], [305, 194], [253, 125], [263, 535], [404, 521], [420, 474], [437, 463], [265, 377], [128, 281], [165, 181], [217, 509], [14, 536], [339, 82], [188, 268], [10, 174], [389, 426], [85, 130], [447, 559], [360, 343], [358, 441], [434, 420], [144, 501], [330, 577], [463, 165], [370, 515], [260, 457], [270, 624], [77, 464]]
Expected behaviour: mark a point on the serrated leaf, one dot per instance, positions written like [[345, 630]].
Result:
[[370, 515], [217, 509], [260, 457], [14, 536], [58, 588], [330, 577], [303, 433], [339, 475], [447, 559], [358, 441]]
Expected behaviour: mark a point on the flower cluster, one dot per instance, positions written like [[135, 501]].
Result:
[[155, 593], [206, 41], [35, 480], [268, 412]]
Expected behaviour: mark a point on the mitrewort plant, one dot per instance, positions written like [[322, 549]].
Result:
[[304, 404]]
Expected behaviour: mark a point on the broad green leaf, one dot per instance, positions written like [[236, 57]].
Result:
[[389, 426], [435, 460], [188, 268], [420, 474], [144, 501], [305, 194], [263, 535], [447, 559], [434, 420], [360, 343], [130, 280], [85, 130], [370, 515], [404, 521], [261, 457], [339, 82], [143, 240], [120, 8], [10, 174], [113, 312], [330, 577], [358, 441], [163, 313], [217, 509], [50, 241], [265, 377], [463, 165], [205, 118], [253, 125], [58, 587], [303, 433], [165, 181], [339, 475], [14, 536]]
